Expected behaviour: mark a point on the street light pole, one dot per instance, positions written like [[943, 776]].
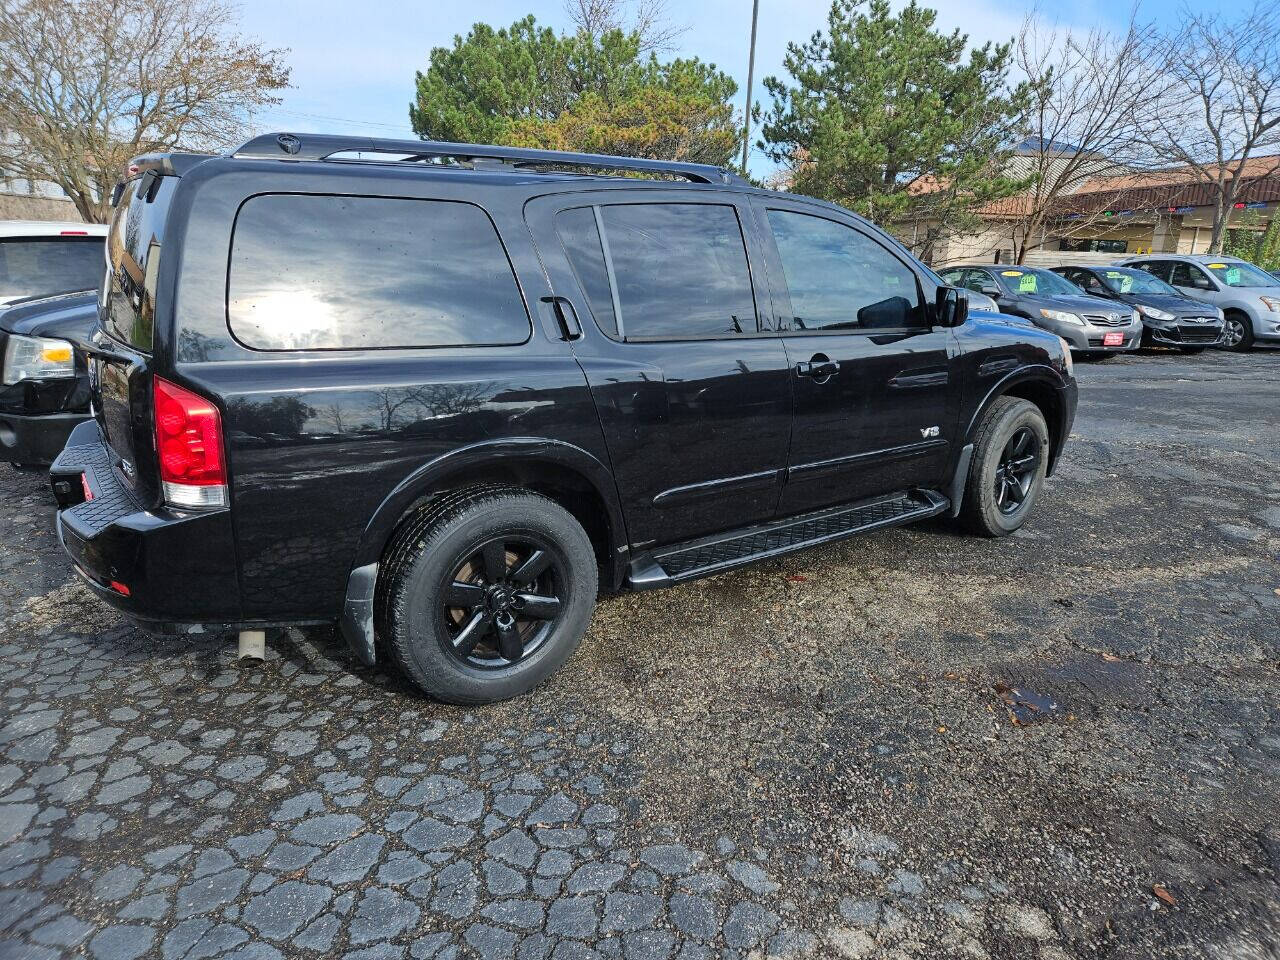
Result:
[[751, 70]]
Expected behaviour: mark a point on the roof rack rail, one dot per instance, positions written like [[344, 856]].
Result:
[[313, 146]]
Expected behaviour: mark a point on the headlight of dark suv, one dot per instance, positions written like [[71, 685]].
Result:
[[37, 358]]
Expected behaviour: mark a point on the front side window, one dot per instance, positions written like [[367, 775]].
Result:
[[315, 272], [1157, 268], [43, 266], [1189, 275], [953, 276], [978, 279], [680, 270], [841, 279], [1086, 280]]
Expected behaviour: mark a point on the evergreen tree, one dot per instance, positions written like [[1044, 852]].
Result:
[[526, 85], [885, 114]]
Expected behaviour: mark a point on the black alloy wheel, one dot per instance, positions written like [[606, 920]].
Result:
[[502, 600], [485, 592], [1016, 470]]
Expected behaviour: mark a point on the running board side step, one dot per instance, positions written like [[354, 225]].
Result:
[[724, 551]]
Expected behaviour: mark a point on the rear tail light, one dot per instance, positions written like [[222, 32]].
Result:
[[189, 447]]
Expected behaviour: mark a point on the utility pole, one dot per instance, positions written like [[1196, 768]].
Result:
[[751, 71]]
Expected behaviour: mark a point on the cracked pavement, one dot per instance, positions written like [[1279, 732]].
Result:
[[810, 757]]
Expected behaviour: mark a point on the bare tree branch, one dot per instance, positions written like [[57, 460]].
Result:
[[649, 20], [1092, 96], [87, 84], [1220, 105]]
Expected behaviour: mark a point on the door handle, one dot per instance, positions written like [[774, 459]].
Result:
[[566, 317], [819, 368]]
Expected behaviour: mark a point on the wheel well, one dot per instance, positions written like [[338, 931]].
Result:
[[560, 484], [1044, 396]]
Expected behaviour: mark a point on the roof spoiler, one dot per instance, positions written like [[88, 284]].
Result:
[[311, 146], [158, 165]]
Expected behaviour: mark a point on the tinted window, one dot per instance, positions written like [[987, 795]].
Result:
[[953, 276], [40, 266], [680, 269], [1188, 275], [840, 279], [315, 272], [581, 239], [133, 251], [1086, 279], [1157, 268], [977, 279]]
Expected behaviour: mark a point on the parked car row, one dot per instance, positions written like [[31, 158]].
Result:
[[1184, 301]]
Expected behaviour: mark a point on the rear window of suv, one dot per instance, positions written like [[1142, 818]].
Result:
[[311, 272], [133, 254]]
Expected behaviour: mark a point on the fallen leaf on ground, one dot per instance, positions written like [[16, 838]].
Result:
[[1110, 658], [1160, 891]]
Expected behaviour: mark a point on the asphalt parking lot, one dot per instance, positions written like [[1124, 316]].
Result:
[[815, 757]]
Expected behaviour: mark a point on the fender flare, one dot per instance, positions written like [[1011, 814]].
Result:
[[1037, 372], [488, 453], [357, 614]]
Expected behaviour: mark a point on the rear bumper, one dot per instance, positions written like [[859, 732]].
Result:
[[36, 439], [165, 569]]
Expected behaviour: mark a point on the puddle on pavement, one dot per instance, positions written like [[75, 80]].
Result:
[[1026, 706]]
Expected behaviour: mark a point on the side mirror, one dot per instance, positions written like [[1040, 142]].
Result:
[[951, 307], [991, 290]]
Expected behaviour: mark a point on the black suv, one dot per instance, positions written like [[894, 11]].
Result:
[[442, 394]]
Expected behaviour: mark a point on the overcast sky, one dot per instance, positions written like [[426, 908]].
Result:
[[353, 63]]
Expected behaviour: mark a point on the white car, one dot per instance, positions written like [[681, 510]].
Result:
[[39, 258]]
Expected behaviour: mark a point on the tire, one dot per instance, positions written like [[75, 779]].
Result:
[[1237, 332], [517, 617], [985, 510]]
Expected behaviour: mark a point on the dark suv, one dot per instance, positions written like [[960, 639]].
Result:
[[442, 394]]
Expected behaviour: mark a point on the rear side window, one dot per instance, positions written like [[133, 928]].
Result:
[[580, 236], [338, 273], [133, 255], [841, 279], [680, 270], [40, 266]]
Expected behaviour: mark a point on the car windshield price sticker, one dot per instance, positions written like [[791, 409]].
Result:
[[1125, 281]]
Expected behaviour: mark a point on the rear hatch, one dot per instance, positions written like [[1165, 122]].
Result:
[[121, 363]]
